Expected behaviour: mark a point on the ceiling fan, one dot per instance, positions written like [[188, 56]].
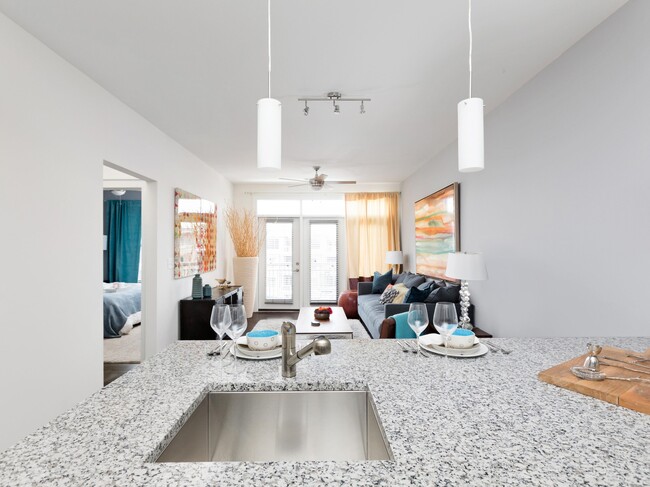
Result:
[[317, 182]]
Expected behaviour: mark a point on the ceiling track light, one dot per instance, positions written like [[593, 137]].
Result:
[[335, 98]]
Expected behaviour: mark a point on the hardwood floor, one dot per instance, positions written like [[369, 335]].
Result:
[[113, 371]]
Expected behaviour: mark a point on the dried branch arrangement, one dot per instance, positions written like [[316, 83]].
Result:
[[246, 231]]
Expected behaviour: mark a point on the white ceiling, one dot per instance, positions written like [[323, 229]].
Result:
[[196, 68]]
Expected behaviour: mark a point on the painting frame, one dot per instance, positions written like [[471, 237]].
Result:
[[437, 230], [195, 234]]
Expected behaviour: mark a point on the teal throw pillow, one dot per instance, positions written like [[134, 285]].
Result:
[[381, 281], [402, 328], [416, 295]]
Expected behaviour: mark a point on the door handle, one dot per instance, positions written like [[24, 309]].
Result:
[[296, 270]]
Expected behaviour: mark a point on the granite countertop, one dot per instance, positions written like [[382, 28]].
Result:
[[494, 423]]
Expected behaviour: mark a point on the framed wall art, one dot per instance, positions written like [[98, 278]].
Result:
[[195, 234], [437, 230]]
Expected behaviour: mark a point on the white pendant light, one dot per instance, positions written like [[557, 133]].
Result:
[[470, 123], [269, 122]]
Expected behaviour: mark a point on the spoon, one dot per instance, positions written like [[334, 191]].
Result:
[[588, 374]]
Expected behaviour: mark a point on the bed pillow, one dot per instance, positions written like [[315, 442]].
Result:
[[381, 281], [388, 295], [447, 294], [416, 295], [402, 328]]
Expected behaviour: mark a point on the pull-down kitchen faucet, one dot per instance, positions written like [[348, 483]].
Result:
[[320, 346]]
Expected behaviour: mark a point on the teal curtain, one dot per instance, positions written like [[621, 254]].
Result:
[[123, 222]]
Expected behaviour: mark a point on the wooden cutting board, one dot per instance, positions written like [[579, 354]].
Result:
[[631, 395]]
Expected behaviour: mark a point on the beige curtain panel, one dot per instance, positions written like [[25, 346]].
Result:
[[372, 227]]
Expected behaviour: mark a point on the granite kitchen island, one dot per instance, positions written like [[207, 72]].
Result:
[[492, 422]]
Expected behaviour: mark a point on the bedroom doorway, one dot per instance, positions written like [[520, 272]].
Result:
[[124, 273]]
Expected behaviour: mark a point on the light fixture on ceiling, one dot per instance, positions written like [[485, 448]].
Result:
[[335, 98], [470, 123], [269, 121], [118, 192]]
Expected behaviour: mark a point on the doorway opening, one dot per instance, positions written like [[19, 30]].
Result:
[[125, 276]]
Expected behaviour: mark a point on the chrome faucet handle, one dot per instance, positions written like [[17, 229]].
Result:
[[319, 346]]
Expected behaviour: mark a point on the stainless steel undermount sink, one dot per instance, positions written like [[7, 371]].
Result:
[[281, 426]]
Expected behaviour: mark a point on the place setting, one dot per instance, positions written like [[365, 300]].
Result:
[[450, 341]]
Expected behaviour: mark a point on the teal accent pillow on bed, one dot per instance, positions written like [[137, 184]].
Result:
[[402, 328]]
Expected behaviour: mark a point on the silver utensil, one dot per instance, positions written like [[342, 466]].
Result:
[[498, 348], [645, 367], [588, 374], [626, 368], [410, 347], [216, 352], [404, 349]]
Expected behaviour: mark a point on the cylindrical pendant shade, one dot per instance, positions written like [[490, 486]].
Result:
[[470, 135], [269, 133]]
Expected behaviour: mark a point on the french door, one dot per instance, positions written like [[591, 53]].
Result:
[[300, 263]]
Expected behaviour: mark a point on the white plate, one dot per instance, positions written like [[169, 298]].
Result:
[[246, 353], [434, 343]]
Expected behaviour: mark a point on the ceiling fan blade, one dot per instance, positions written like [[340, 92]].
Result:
[[296, 185], [322, 176], [291, 179], [341, 182]]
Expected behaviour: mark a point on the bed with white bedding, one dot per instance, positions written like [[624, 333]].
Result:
[[122, 308]]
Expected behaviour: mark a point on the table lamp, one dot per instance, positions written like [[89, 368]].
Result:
[[395, 257], [466, 266]]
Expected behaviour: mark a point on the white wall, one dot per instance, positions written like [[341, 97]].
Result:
[[562, 210], [56, 128]]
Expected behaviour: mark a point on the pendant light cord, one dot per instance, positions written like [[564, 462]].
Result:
[[469, 21], [269, 42]]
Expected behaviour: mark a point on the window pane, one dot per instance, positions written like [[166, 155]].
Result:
[[279, 256], [323, 207], [278, 207], [323, 262]]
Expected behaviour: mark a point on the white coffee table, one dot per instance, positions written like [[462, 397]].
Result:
[[336, 327]]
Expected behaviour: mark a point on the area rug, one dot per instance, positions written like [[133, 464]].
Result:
[[358, 330], [124, 350]]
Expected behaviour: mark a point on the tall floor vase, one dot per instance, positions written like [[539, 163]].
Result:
[[245, 275]]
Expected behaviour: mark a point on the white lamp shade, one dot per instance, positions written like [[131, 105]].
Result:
[[470, 135], [466, 266], [269, 133], [394, 257]]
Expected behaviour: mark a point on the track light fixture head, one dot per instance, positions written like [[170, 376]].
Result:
[[336, 98]]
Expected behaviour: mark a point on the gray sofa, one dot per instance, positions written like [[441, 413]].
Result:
[[373, 313]]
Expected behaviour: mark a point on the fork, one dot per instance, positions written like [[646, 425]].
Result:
[[404, 348], [415, 349], [498, 348]]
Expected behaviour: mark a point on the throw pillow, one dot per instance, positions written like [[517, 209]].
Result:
[[381, 281], [402, 290], [416, 295], [414, 280], [388, 295], [401, 277], [402, 328], [447, 294], [428, 284]]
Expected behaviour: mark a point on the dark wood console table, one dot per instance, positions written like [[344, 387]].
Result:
[[194, 321]]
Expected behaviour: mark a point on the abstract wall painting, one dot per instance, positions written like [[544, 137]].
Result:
[[195, 234], [437, 230]]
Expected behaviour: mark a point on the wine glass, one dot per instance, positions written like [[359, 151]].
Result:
[[445, 319], [418, 320], [220, 321], [238, 325]]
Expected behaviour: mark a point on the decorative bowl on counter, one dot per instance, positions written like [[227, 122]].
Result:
[[323, 313], [462, 338]]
